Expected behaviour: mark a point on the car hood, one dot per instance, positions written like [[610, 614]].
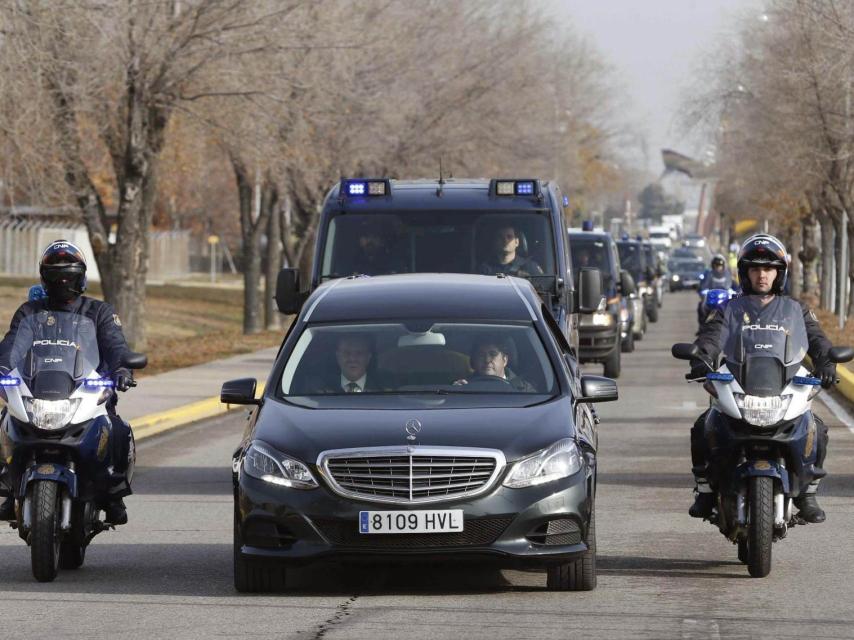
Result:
[[305, 433]]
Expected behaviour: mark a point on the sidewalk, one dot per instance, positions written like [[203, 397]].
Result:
[[169, 400]]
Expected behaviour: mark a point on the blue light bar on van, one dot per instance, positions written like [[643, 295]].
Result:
[[9, 381], [516, 187], [368, 187], [99, 383]]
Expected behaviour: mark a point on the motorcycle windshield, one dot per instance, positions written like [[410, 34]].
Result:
[[53, 351], [765, 355]]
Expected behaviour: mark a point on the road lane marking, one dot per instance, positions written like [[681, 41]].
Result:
[[838, 410]]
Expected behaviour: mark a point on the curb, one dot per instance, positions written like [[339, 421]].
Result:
[[846, 383], [155, 424]]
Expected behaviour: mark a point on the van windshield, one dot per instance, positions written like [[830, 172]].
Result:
[[438, 242], [592, 253]]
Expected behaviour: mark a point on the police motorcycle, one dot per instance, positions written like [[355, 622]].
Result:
[[55, 438], [760, 433]]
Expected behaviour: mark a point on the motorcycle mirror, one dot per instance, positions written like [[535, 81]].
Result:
[[685, 351], [133, 360], [841, 354]]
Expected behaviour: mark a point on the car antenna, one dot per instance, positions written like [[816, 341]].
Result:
[[441, 179]]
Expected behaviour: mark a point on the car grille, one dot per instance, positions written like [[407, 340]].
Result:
[[477, 532], [422, 475]]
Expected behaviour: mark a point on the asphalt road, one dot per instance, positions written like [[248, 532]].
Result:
[[661, 574]]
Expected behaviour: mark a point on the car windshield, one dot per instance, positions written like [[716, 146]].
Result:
[[590, 252], [438, 242], [685, 264], [424, 357], [53, 350]]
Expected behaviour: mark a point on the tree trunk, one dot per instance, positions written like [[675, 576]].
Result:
[[849, 281], [837, 257], [826, 260], [272, 318], [809, 255], [795, 277]]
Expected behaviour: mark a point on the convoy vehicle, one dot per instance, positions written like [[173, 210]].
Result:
[[655, 275], [604, 334], [761, 432], [685, 272], [435, 459], [55, 438], [633, 260], [384, 226]]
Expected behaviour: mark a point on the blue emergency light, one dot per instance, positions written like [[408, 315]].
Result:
[[807, 380], [99, 383], [9, 381], [515, 187], [566, 201], [720, 377], [587, 225], [368, 187]]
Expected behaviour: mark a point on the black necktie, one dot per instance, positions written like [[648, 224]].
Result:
[[352, 387]]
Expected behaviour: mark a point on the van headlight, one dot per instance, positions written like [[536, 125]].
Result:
[[50, 414], [267, 464], [762, 412], [560, 460]]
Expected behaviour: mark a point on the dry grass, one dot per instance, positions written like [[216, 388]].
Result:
[[185, 325]]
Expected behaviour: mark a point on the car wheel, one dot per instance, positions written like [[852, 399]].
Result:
[[628, 345], [579, 575], [253, 577], [612, 364]]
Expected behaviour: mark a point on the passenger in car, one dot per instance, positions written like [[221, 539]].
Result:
[[490, 358], [354, 355], [507, 255]]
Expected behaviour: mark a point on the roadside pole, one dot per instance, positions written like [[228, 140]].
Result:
[[213, 241], [843, 270]]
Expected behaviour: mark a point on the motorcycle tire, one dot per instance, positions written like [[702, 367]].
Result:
[[652, 312], [44, 535], [579, 575], [760, 530], [628, 345], [254, 577]]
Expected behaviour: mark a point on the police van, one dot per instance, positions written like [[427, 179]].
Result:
[[518, 227]]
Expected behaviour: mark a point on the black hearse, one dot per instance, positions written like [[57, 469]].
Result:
[[416, 417]]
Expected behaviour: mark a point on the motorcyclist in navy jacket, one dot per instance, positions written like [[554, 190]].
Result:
[[717, 276], [762, 270], [63, 275]]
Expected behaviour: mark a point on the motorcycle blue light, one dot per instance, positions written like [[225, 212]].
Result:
[[525, 188], [566, 201], [99, 383], [720, 377], [806, 380], [9, 381]]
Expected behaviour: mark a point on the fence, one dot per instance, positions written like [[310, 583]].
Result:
[[23, 240]]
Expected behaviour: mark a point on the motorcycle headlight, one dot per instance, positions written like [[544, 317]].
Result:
[[50, 414], [264, 463], [560, 460], [624, 314], [762, 412]]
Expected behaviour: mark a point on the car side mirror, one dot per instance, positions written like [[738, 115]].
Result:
[[240, 391], [289, 298], [133, 360], [598, 389], [841, 354], [589, 290], [685, 351], [627, 284]]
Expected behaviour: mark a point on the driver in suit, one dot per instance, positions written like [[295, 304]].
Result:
[[490, 358]]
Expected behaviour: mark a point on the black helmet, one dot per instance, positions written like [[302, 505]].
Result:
[[763, 250], [63, 271], [718, 259]]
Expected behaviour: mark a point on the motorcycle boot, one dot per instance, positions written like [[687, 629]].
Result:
[[704, 501], [7, 509], [116, 512], [808, 507]]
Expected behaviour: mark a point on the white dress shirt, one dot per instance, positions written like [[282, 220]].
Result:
[[361, 382]]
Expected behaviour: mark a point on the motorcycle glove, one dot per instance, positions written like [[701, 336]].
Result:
[[699, 370], [124, 380], [827, 374]]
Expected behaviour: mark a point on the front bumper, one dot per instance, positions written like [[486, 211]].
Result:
[[501, 528], [595, 344]]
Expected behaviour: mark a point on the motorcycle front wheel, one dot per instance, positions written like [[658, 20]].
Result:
[[760, 530], [44, 536]]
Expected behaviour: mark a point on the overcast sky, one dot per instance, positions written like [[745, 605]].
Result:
[[655, 45]]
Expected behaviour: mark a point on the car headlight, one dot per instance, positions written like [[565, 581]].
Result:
[[762, 412], [560, 460], [264, 463], [50, 414], [676, 277], [624, 314], [598, 319]]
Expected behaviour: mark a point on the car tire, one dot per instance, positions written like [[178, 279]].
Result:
[[579, 575], [254, 577], [628, 345], [612, 364]]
